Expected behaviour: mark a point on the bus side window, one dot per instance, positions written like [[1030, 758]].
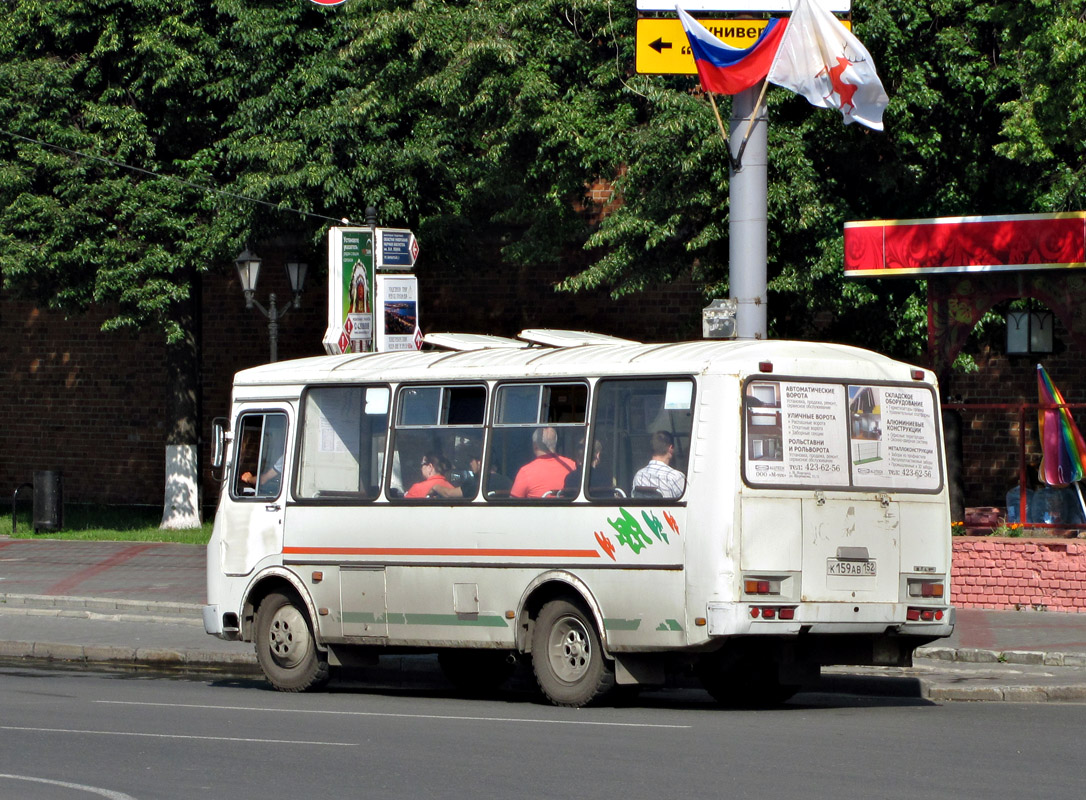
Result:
[[642, 429], [537, 441], [438, 443], [261, 451], [344, 430]]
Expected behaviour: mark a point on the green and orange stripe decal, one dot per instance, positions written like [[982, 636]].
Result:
[[439, 551]]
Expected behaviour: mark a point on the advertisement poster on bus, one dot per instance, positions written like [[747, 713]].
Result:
[[893, 437], [398, 309], [801, 433], [350, 291]]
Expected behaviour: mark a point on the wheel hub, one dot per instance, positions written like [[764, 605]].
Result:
[[570, 651], [289, 637]]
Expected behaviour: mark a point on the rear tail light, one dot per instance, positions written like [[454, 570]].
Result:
[[933, 589], [761, 586], [924, 614], [773, 612]]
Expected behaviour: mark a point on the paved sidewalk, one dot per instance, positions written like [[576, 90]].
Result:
[[138, 606]]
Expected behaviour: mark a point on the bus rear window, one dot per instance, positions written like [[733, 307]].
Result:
[[810, 434]]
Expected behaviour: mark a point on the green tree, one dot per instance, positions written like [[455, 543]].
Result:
[[100, 98], [462, 117]]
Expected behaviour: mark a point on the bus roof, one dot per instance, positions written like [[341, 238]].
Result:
[[694, 357]]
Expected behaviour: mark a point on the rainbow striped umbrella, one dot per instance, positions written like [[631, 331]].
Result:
[[1063, 452]]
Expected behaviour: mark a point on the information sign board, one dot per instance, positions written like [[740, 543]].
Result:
[[398, 313], [663, 49], [350, 291], [396, 248]]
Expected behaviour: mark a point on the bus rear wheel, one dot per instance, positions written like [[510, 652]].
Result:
[[286, 648], [567, 656]]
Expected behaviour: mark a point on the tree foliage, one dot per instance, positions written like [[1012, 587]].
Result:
[[463, 117]]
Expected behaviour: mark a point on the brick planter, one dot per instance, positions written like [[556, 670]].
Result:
[[1010, 574]]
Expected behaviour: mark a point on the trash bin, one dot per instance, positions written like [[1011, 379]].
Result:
[[48, 500]]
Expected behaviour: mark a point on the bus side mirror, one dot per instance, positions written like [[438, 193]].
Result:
[[219, 437]]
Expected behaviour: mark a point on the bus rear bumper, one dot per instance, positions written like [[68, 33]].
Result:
[[749, 619]]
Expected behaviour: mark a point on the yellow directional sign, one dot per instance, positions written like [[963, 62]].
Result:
[[663, 49]]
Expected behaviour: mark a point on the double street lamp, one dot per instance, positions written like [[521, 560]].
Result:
[[248, 265]]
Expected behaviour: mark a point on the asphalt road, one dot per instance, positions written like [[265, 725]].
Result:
[[89, 735]]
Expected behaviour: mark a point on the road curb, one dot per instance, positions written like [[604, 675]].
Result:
[[1008, 694], [972, 655], [159, 659], [101, 605], [421, 673]]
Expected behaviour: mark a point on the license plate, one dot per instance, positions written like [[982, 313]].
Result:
[[857, 568]]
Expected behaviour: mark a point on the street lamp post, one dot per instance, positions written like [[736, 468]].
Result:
[[248, 265]]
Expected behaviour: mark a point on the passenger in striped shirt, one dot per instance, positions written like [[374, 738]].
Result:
[[658, 473]]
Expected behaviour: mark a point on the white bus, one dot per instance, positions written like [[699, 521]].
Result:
[[489, 504]]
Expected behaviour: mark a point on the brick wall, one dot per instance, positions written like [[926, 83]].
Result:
[[1014, 574], [66, 402]]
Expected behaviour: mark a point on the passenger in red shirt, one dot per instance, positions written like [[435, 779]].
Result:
[[433, 469], [547, 471]]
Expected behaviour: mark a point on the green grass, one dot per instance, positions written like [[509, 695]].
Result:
[[106, 523]]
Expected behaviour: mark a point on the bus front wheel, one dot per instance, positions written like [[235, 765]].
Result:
[[285, 647], [567, 656]]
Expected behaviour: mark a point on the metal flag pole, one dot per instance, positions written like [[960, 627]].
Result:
[[748, 214]]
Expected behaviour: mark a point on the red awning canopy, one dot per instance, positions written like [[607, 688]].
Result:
[[1015, 242]]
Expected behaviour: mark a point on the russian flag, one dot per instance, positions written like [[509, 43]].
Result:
[[729, 70]]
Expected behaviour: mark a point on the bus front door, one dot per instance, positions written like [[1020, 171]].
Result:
[[254, 515]]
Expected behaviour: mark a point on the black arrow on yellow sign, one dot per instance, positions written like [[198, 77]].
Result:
[[660, 45]]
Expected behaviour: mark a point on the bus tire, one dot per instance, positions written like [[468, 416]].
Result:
[[567, 656], [476, 671], [286, 648]]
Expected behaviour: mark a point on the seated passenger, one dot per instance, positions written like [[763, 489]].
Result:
[[658, 473], [433, 469], [598, 480], [469, 483], [546, 472]]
